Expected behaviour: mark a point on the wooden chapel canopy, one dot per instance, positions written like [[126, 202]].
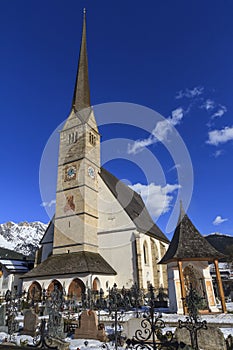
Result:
[[188, 244]]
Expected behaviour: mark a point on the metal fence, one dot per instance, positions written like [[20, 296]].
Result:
[[116, 304]]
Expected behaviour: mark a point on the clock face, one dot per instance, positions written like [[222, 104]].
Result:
[[71, 173], [91, 172]]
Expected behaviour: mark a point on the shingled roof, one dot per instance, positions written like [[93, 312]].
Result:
[[72, 263], [12, 254], [133, 205], [188, 244]]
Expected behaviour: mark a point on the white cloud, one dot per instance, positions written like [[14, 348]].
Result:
[[160, 132], [218, 153], [218, 220], [48, 204], [220, 136], [208, 104], [157, 198], [220, 112], [190, 93]]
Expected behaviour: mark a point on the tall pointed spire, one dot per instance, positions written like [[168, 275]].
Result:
[[81, 98]]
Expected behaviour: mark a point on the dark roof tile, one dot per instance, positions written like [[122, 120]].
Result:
[[133, 205], [72, 263], [187, 244]]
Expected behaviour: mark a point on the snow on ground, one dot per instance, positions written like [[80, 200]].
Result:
[[229, 306], [210, 318], [222, 320], [87, 344]]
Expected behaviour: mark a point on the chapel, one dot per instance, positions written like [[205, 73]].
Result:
[[102, 232], [187, 260]]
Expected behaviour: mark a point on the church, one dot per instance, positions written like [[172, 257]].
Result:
[[85, 245]]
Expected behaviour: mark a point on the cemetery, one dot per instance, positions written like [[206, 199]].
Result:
[[125, 318], [105, 276]]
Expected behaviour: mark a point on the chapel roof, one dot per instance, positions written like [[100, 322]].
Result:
[[72, 263], [188, 244], [133, 205]]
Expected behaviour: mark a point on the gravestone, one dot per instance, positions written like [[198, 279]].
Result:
[[30, 322], [131, 326], [3, 315], [56, 325], [208, 339], [89, 327], [3, 327]]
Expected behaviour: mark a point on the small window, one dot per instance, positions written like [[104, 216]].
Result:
[[92, 139], [145, 253], [73, 137]]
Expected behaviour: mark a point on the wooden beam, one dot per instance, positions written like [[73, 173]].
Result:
[[220, 287], [183, 291]]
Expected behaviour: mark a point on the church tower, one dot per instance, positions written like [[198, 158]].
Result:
[[76, 217]]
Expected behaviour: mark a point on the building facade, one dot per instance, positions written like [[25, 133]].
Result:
[[101, 233]]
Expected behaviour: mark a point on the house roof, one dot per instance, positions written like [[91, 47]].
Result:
[[11, 254], [15, 266], [133, 205], [72, 263], [188, 244]]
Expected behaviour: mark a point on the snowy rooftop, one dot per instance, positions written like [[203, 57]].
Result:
[[14, 265]]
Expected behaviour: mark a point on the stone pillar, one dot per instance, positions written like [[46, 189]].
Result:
[[182, 286], [220, 287]]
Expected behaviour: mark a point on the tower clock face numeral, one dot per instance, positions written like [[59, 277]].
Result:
[[91, 172], [71, 173]]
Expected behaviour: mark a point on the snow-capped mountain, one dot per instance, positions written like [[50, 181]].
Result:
[[23, 237]]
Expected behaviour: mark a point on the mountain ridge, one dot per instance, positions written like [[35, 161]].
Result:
[[220, 241], [22, 237]]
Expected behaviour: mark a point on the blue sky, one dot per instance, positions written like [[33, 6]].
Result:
[[174, 57]]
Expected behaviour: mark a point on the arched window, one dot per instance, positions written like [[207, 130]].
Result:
[[35, 291], [155, 258], [96, 284], [52, 285], [145, 253], [76, 288]]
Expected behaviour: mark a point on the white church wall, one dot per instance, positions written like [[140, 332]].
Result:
[[118, 250], [116, 237], [112, 217]]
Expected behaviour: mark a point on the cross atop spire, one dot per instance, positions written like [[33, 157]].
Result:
[[81, 98]]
